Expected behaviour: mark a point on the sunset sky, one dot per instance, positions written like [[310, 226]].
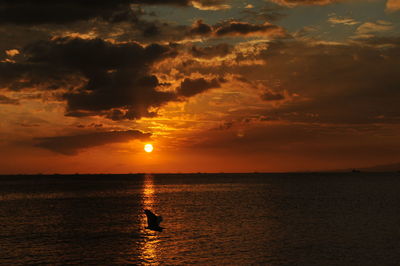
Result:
[[214, 85]]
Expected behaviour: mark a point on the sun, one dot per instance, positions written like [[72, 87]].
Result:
[[148, 147]]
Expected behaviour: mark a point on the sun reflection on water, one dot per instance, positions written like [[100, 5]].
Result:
[[149, 245]]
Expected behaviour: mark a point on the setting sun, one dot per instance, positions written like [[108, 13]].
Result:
[[148, 148]]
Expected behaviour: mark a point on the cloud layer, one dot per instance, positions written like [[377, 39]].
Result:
[[30, 12], [72, 144], [236, 28], [110, 79], [63, 11], [294, 3]]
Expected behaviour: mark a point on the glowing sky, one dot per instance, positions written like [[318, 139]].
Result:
[[214, 85]]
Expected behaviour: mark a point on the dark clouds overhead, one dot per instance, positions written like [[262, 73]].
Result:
[[220, 50], [114, 78], [236, 28], [63, 11], [334, 83], [25, 75], [190, 87], [28, 12], [200, 28], [272, 96], [163, 2], [72, 144]]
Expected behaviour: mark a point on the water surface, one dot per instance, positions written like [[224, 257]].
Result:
[[215, 219]]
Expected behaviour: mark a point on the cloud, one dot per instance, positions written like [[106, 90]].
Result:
[[199, 4], [236, 28], [374, 27], [334, 83], [219, 50], [163, 2], [294, 3], [12, 52], [200, 28], [21, 75], [379, 41], [64, 11], [31, 12], [265, 13], [343, 21], [272, 96], [109, 78], [72, 144], [392, 5], [190, 87], [6, 100], [210, 4]]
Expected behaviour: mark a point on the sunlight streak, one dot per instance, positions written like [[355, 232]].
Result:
[[149, 246]]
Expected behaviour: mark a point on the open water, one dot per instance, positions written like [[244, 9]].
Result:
[[210, 219]]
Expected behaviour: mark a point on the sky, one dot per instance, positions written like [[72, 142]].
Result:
[[213, 85]]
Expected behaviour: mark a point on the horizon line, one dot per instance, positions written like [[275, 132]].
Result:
[[198, 173]]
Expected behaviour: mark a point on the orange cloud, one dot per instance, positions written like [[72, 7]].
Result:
[[393, 5], [294, 3], [374, 27]]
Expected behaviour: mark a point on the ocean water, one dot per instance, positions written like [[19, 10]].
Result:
[[210, 219]]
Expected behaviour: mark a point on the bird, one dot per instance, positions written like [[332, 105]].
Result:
[[153, 221]]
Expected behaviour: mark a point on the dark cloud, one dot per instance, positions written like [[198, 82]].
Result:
[[348, 84], [200, 4], [64, 11], [235, 28], [272, 96], [10, 72], [151, 30], [103, 78], [93, 55], [379, 41], [200, 28], [6, 100], [114, 78], [190, 87], [163, 2], [28, 12], [25, 74], [354, 83], [159, 31], [220, 50], [72, 144], [164, 31]]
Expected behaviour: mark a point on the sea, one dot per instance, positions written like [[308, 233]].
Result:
[[209, 219]]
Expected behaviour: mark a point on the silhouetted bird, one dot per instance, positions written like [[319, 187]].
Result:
[[153, 221]]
